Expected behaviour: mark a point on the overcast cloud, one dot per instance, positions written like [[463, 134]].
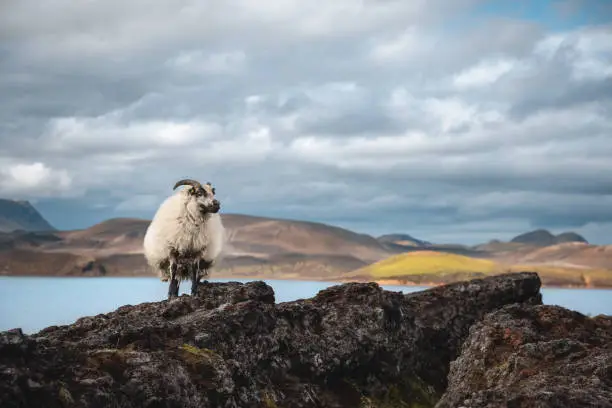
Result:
[[451, 120]]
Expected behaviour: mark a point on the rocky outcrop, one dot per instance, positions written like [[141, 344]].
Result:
[[351, 345], [534, 356]]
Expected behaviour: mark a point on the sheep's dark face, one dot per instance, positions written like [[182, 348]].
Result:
[[205, 198], [200, 197]]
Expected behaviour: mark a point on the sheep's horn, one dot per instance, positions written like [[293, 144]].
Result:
[[187, 182]]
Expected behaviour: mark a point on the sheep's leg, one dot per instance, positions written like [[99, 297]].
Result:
[[194, 278], [205, 266], [174, 283]]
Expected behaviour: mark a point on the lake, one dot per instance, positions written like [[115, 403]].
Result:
[[34, 303]]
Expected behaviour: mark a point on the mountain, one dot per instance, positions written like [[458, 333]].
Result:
[[256, 246], [20, 215], [257, 236], [569, 254], [402, 239], [271, 248], [427, 267], [570, 237], [248, 236], [542, 237], [570, 264]]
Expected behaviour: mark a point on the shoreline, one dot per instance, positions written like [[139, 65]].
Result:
[[381, 282]]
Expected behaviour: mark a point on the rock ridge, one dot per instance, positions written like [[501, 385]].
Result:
[[351, 345]]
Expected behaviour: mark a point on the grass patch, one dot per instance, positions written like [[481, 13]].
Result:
[[268, 401], [65, 397], [203, 364], [429, 263], [419, 397], [443, 267], [199, 353]]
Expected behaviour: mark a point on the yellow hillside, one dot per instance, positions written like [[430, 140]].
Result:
[[427, 267], [428, 263]]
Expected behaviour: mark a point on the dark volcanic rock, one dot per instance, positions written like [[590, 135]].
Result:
[[534, 356], [231, 346]]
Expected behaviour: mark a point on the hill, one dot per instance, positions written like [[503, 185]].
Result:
[[402, 239], [257, 236], [568, 265], [427, 267], [271, 248], [257, 246], [543, 237], [21, 215], [407, 243], [573, 254], [570, 237]]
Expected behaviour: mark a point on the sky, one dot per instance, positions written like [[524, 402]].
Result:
[[452, 120]]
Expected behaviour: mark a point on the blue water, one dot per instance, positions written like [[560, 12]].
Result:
[[34, 303]]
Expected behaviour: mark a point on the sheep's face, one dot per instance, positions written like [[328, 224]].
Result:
[[203, 199]]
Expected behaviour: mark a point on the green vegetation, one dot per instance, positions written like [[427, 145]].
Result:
[[429, 263], [424, 394], [268, 401], [64, 396], [441, 267], [420, 396], [202, 354]]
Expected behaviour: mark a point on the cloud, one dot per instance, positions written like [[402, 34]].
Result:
[[35, 177], [448, 120], [199, 63], [483, 74], [406, 46], [137, 203], [111, 133]]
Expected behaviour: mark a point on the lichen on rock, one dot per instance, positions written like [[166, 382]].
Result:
[[534, 356]]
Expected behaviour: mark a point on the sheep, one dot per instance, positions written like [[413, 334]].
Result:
[[186, 235]]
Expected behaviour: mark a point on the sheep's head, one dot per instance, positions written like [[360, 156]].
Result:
[[202, 197]]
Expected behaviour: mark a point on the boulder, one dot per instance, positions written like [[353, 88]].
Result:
[[525, 356]]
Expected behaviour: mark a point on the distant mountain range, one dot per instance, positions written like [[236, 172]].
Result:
[[402, 240], [270, 248], [543, 237], [20, 215]]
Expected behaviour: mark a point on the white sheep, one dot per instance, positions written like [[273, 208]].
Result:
[[186, 235]]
